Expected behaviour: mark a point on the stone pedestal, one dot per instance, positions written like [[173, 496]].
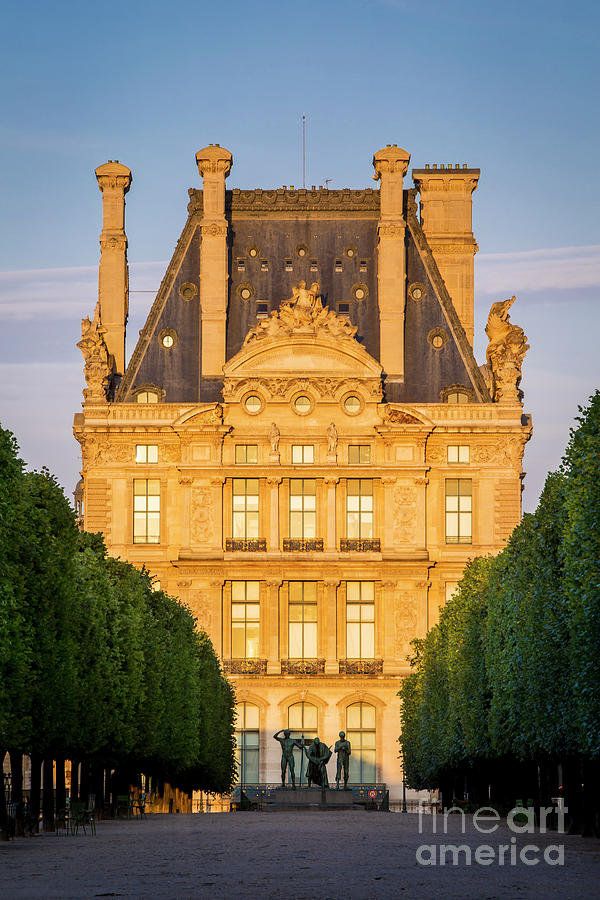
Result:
[[312, 797]]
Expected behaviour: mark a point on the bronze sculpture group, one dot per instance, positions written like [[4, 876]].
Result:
[[318, 755]]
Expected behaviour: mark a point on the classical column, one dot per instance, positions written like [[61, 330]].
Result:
[[421, 513], [114, 180], [331, 648], [390, 165], [386, 625], [273, 537], [214, 163], [271, 628], [330, 537], [446, 219]]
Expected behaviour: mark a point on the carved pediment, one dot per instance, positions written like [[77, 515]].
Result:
[[212, 415]]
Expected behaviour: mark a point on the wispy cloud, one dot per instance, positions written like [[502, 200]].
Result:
[[67, 293], [536, 270]]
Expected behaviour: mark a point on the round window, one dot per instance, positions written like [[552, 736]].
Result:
[[417, 293], [359, 294], [352, 405], [168, 341], [253, 403], [437, 341], [253, 252], [302, 405], [246, 294]]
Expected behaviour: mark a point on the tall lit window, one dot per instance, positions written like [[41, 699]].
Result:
[[360, 731], [360, 620], [359, 508], [302, 618], [245, 508], [303, 508], [302, 722], [247, 743], [146, 453], [459, 511], [303, 453], [246, 453], [245, 619], [146, 511]]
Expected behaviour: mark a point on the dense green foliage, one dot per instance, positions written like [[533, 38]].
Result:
[[94, 663], [510, 675]]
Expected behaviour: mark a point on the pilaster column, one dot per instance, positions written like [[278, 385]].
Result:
[[271, 631], [185, 486], [273, 482], [421, 512], [331, 647], [217, 492], [390, 166], [330, 535], [214, 164], [387, 615], [114, 180], [388, 514]]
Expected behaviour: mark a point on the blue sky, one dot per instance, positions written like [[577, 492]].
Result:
[[510, 87]]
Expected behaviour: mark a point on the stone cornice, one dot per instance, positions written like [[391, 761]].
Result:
[[283, 200]]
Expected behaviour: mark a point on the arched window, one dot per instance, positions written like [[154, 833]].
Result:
[[457, 397], [302, 722], [147, 397], [360, 731], [247, 743]]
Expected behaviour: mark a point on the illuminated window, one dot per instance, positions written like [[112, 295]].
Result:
[[303, 508], [360, 731], [146, 453], [359, 508], [359, 454], [457, 397], [360, 620], [459, 511], [247, 742], [458, 453], [245, 508], [245, 619], [302, 618], [147, 397], [246, 453], [303, 453], [146, 511]]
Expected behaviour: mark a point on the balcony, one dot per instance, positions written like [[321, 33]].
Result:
[[362, 545], [294, 545], [302, 666], [250, 545], [245, 666], [361, 666]]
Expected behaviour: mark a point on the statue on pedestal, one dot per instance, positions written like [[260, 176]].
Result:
[[274, 438], [318, 755], [332, 439], [287, 755], [505, 353], [343, 750]]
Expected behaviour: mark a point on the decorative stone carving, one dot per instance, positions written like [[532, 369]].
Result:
[[97, 450], [361, 666], [302, 313], [405, 514], [274, 438], [393, 416], [505, 353], [202, 520], [302, 666], [212, 416], [245, 666], [332, 438], [97, 368], [170, 453], [201, 606], [405, 622]]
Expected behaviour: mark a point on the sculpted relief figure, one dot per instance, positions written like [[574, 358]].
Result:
[[505, 353], [274, 438], [96, 360], [303, 312], [332, 438]]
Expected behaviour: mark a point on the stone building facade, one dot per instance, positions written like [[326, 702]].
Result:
[[302, 446]]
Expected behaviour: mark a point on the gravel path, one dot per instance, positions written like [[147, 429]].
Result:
[[345, 854]]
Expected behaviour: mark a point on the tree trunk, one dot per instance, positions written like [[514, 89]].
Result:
[[74, 779], [34, 797], [97, 783], [61, 792], [84, 781], [16, 768], [4, 836], [48, 795]]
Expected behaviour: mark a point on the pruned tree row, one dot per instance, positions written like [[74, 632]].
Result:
[[504, 700], [96, 666]]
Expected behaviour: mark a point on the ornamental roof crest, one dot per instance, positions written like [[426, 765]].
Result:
[[303, 313]]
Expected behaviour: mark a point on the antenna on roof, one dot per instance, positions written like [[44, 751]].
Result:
[[304, 151], [327, 180]]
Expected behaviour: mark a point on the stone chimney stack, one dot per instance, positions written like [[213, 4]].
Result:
[[390, 166], [214, 164], [446, 207], [114, 181]]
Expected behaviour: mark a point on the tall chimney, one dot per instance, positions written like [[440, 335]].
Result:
[[390, 165], [214, 164], [446, 208], [114, 181]]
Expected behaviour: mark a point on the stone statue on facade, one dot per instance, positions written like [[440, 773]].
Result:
[[303, 312], [287, 755], [332, 438], [274, 438], [318, 756], [343, 750], [97, 369], [505, 353]]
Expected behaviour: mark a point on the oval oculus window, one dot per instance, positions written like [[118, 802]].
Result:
[[253, 403], [352, 405], [302, 404]]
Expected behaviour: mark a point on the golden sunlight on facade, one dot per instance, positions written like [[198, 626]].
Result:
[[302, 446]]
